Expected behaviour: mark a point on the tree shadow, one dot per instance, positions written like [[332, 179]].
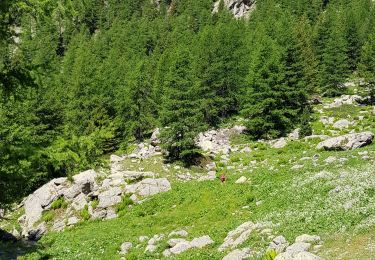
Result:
[[12, 247]]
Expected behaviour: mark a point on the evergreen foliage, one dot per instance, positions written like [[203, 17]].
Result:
[[80, 79]]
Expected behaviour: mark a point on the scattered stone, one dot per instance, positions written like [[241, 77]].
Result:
[[149, 187], [155, 239], [343, 123], [330, 159], [143, 239], [242, 179], [345, 100], [279, 244], [238, 254], [218, 141], [279, 143], [72, 221], [180, 233], [155, 141], [111, 214], [125, 247], [201, 242], [298, 247], [151, 248], [297, 167], [211, 175], [239, 235], [294, 135], [307, 238], [347, 142], [180, 247], [174, 241], [184, 245]]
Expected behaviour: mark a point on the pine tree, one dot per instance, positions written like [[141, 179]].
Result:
[[367, 62], [335, 67], [221, 69], [273, 102], [181, 114], [142, 109]]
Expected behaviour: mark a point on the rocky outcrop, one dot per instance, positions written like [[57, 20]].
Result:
[[239, 8], [298, 250], [149, 187], [86, 192], [182, 245], [218, 141], [347, 142], [240, 235], [345, 100]]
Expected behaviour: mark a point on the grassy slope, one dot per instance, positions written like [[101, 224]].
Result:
[[297, 201]]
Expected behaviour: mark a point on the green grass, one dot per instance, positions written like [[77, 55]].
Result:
[[335, 201]]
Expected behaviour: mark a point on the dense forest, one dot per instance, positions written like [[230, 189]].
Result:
[[83, 78]]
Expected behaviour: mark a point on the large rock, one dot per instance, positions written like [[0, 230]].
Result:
[[184, 245], [125, 247], [155, 137], [238, 254], [201, 242], [298, 247], [40, 199], [85, 181], [279, 244], [343, 123], [149, 187], [110, 197], [279, 143], [307, 238], [347, 142], [239, 235]]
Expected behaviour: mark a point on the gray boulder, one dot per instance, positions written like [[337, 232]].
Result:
[[307, 239], [201, 242], [238, 254], [239, 235], [125, 247], [85, 181], [149, 187], [279, 143], [298, 247], [180, 233], [110, 197], [347, 142], [155, 137], [343, 123], [279, 244], [39, 200]]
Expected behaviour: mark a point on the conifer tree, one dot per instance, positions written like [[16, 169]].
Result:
[[335, 67], [273, 104], [221, 68], [181, 114], [142, 108]]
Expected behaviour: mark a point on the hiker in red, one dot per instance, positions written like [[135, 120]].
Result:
[[223, 178]]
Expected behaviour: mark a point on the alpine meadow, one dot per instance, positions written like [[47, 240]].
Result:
[[187, 129]]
